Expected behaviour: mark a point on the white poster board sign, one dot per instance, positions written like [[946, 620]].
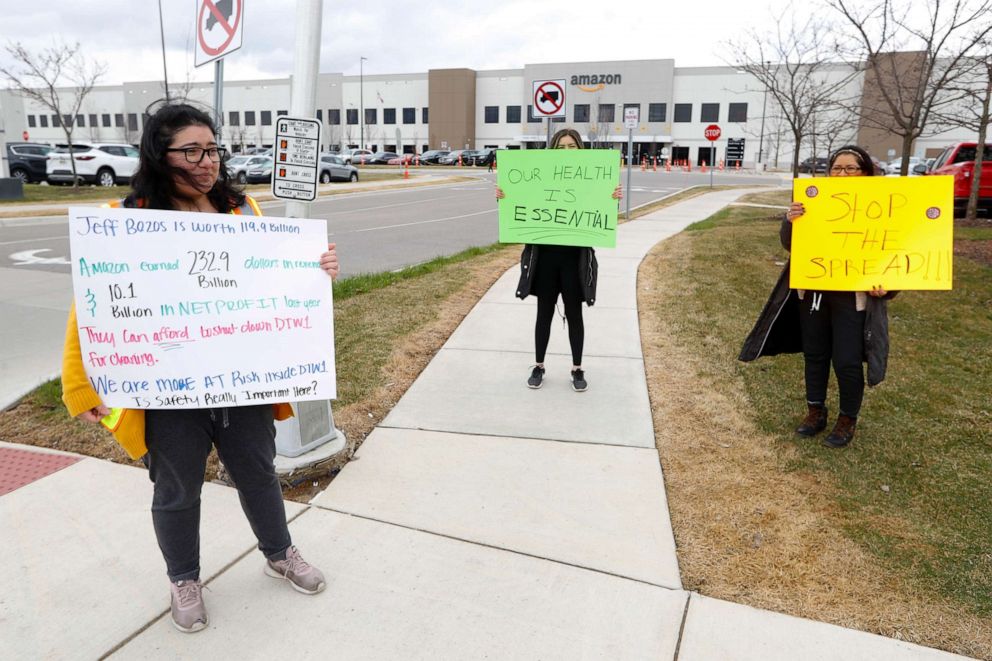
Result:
[[194, 310]]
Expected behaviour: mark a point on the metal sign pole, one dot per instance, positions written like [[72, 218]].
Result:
[[630, 147], [547, 141], [712, 161], [219, 99]]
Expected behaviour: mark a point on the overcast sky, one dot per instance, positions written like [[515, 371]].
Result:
[[397, 36]]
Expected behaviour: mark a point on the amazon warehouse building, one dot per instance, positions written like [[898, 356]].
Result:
[[468, 109]]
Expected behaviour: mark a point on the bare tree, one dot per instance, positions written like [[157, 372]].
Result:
[[38, 77], [793, 63], [832, 126], [910, 88]]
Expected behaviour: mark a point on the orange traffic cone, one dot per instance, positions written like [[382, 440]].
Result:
[[459, 160], [654, 164], [416, 160], [737, 167], [703, 168], [668, 166], [406, 169], [721, 165]]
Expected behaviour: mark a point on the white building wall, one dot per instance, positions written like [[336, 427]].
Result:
[[382, 92], [500, 89]]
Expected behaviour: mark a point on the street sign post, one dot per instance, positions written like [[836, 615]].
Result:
[[712, 133], [218, 32], [631, 117], [549, 101], [297, 155]]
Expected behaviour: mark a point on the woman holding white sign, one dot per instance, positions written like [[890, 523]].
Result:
[[181, 169], [549, 271], [840, 327]]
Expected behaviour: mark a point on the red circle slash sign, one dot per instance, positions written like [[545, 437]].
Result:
[[550, 92], [231, 30]]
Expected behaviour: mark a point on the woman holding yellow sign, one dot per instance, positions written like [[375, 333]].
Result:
[[840, 327], [180, 169], [548, 271]]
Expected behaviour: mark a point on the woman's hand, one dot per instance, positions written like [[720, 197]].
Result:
[[618, 192], [329, 261], [95, 414], [877, 291], [499, 193], [796, 210]]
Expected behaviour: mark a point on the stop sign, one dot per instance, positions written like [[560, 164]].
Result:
[[24, 135], [712, 132]]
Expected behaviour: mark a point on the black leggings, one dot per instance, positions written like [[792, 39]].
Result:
[[558, 273], [833, 331]]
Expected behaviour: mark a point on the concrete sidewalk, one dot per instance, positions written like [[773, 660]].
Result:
[[482, 519]]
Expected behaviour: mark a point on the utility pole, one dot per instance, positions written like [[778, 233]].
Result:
[[165, 71], [764, 106], [361, 103]]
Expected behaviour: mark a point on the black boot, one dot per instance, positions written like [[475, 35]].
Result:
[[815, 421], [842, 433]]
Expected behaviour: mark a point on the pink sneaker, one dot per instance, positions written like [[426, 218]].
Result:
[[301, 575], [189, 614]]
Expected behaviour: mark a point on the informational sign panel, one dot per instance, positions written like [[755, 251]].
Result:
[[218, 30], [297, 155], [735, 151], [631, 117], [558, 196], [184, 310], [549, 98], [862, 232]]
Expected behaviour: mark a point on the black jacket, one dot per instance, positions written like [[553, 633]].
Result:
[[777, 329], [588, 267]]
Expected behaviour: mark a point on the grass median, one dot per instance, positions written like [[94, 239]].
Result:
[[890, 535]]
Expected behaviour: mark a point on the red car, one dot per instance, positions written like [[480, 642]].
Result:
[[959, 161], [402, 159]]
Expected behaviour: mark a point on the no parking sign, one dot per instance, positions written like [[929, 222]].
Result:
[[219, 29]]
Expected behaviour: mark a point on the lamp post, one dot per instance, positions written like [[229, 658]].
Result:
[[764, 106], [165, 71], [361, 101]]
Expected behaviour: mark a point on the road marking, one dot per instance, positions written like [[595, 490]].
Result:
[[422, 222], [30, 257], [43, 238]]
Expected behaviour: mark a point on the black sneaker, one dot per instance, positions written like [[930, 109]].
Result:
[[536, 377], [579, 381]]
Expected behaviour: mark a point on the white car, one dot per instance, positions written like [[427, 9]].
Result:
[[97, 163], [893, 166], [351, 156]]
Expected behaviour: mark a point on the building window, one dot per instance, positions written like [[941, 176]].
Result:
[[234, 118], [32, 122], [266, 118], [352, 115], [44, 121], [513, 114], [423, 116], [119, 120], [657, 112], [106, 119], [709, 112], [683, 112], [409, 115], [283, 113], [132, 121], [389, 116], [737, 112], [607, 112], [371, 116], [580, 112], [334, 116], [320, 115], [492, 114], [530, 115], [249, 118], [93, 121], [80, 121]]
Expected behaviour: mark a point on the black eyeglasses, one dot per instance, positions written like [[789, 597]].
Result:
[[846, 169], [195, 154]]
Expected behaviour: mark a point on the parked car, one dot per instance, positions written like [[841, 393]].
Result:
[[452, 158], [484, 157], [958, 160], [381, 158], [351, 156], [258, 151], [895, 165], [260, 172], [27, 160], [431, 157], [238, 166], [814, 165], [96, 163], [402, 159], [333, 168]]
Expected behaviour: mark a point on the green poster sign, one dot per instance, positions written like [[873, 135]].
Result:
[[558, 196]]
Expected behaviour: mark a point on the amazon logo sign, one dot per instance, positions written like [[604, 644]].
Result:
[[595, 82]]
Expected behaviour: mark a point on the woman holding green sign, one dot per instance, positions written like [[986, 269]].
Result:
[[548, 271], [181, 169], [840, 327]]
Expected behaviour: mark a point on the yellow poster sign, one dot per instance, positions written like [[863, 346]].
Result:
[[860, 232]]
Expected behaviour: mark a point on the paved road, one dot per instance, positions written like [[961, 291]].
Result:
[[375, 231]]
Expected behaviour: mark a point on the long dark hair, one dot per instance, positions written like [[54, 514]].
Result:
[[153, 185], [864, 159], [572, 133]]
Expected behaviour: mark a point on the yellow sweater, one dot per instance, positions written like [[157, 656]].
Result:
[[79, 396]]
